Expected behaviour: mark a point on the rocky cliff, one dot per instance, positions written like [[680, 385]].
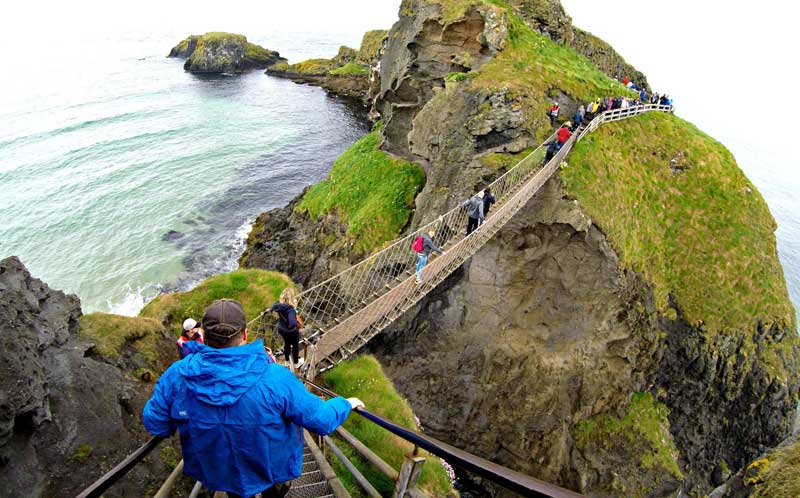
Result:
[[629, 333], [67, 412], [352, 73], [222, 53]]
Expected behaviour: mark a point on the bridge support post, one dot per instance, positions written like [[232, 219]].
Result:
[[409, 475]]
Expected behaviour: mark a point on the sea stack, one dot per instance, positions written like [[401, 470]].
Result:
[[219, 52]]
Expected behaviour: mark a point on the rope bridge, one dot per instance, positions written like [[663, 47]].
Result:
[[352, 307]]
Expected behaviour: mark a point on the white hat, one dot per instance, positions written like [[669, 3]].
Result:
[[189, 324]]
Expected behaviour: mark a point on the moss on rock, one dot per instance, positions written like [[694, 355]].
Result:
[[370, 46], [777, 475], [110, 333], [637, 445]]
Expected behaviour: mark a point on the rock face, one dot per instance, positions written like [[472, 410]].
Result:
[[222, 53], [605, 57], [352, 73], [65, 417]]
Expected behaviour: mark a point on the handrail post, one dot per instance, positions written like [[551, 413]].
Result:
[[409, 474]]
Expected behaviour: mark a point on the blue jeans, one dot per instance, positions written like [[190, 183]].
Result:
[[422, 260]]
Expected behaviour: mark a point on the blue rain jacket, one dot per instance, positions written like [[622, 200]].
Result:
[[240, 417]]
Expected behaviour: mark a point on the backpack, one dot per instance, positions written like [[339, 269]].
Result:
[[417, 244]]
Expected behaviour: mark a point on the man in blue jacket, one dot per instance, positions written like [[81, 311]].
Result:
[[240, 416]]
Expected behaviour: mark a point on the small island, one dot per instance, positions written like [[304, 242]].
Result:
[[219, 52]]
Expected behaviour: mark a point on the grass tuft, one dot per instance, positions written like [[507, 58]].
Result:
[[776, 475], [110, 333], [351, 69], [363, 377], [371, 192], [255, 289]]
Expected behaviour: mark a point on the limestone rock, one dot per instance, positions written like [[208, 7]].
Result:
[[222, 53]]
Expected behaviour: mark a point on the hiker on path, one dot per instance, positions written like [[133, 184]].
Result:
[[488, 200], [289, 326], [552, 148], [424, 245], [239, 415], [554, 113], [563, 134], [579, 117], [474, 207]]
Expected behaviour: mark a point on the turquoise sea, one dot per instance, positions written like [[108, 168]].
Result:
[[121, 175]]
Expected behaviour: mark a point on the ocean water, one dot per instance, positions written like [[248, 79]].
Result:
[[110, 146], [121, 175]]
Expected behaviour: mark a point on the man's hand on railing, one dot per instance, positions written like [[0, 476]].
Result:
[[356, 403]]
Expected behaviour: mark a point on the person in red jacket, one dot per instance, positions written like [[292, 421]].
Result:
[[554, 111], [563, 134]]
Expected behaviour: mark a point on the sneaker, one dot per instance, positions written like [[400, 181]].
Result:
[[299, 363], [418, 280]]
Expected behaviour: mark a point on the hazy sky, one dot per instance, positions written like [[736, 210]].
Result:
[[731, 66]]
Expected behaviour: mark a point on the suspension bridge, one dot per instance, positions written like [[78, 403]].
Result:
[[352, 307], [347, 310]]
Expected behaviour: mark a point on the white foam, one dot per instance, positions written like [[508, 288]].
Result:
[[134, 301]]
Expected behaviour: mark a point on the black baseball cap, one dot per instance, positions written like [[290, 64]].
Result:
[[224, 319]]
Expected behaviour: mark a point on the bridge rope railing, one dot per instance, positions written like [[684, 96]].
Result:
[[351, 307]]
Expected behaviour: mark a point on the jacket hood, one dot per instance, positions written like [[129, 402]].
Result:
[[221, 376]]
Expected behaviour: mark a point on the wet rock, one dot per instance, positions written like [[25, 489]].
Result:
[[172, 236]]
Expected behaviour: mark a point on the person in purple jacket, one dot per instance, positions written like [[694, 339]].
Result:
[[240, 416]]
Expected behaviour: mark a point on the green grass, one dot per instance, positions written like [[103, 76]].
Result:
[[703, 235], [643, 429], [363, 377], [351, 69], [313, 67], [110, 333], [370, 44], [371, 192], [532, 65], [777, 475], [255, 289]]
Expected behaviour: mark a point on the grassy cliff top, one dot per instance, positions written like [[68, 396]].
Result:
[[370, 191], [677, 209], [536, 69], [111, 332], [363, 378], [255, 289], [370, 44]]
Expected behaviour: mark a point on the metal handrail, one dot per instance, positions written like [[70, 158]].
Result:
[[508, 478]]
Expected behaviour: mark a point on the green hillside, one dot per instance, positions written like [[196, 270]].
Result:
[[678, 210]]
